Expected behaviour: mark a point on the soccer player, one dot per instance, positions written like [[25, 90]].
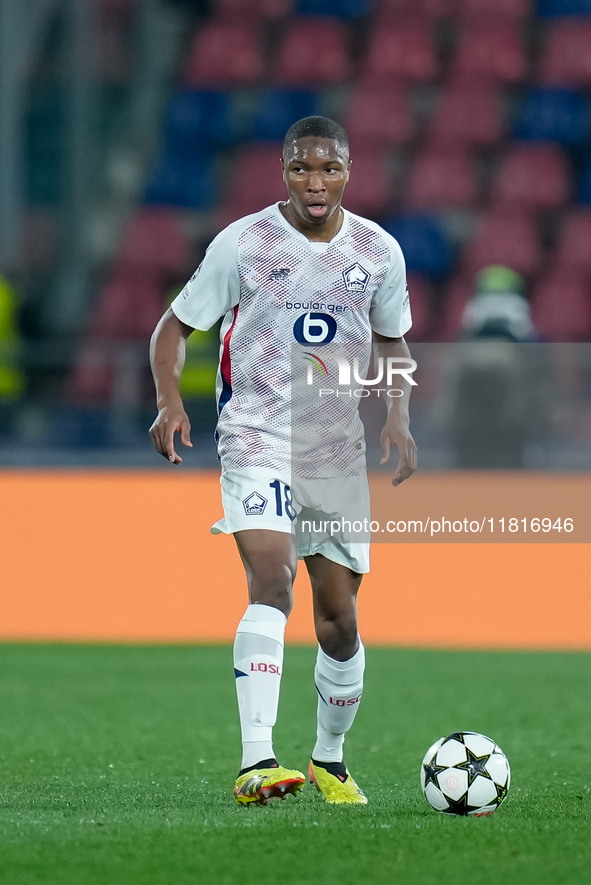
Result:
[[303, 271]]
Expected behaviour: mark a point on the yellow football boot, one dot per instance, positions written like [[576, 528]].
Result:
[[338, 789], [257, 786]]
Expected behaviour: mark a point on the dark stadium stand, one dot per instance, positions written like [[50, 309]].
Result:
[[426, 248], [378, 118], [402, 52], [469, 115], [370, 190], [504, 236], [254, 181], [224, 55], [573, 251], [566, 60], [469, 123], [585, 186], [278, 108], [299, 62], [561, 307], [489, 50], [155, 241], [442, 178], [130, 306], [533, 177], [554, 114]]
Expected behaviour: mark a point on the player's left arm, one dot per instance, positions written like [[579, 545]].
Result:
[[396, 430]]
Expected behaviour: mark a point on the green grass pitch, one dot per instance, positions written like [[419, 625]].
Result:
[[117, 766]]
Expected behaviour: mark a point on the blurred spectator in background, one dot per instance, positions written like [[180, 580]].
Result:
[[12, 382], [499, 309], [497, 396]]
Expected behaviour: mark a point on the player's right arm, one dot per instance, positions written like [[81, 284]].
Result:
[[212, 291], [167, 358]]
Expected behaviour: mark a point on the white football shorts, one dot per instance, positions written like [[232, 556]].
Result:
[[328, 516]]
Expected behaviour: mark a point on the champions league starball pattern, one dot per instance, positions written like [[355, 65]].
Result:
[[465, 773]]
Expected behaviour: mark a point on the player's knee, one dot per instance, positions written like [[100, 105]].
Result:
[[271, 585], [346, 628], [338, 635]]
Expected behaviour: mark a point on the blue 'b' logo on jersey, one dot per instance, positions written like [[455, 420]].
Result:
[[315, 328]]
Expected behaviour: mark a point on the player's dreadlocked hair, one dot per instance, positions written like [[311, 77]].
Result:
[[318, 127]]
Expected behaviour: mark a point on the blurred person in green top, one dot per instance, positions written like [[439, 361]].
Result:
[[498, 389], [12, 381], [499, 308]]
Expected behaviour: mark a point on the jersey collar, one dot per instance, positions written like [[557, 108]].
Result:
[[298, 234]]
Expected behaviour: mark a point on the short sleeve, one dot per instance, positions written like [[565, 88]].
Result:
[[214, 288], [389, 313]]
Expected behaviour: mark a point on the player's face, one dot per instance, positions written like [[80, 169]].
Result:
[[315, 173]]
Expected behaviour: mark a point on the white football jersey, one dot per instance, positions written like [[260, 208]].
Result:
[[280, 293]]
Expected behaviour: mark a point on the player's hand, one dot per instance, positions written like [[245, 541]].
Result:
[[395, 435], [169, 421]]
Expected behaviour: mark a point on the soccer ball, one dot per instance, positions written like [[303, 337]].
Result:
[[465, 773]]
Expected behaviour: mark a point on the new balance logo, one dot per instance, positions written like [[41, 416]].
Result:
[[280, 273]]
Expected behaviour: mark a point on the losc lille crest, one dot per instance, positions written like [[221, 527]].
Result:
[[254, 504], [356, 278]]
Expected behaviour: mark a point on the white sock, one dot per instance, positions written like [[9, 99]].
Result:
[[339, 685], [258, 661]]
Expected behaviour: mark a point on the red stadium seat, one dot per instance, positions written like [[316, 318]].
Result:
[[567, 59], [475, 10], [467, 115], [392, 11], [39, 238], [489, 51], [532, 177], [129, 307], [504, 237], [441, 180], [113, 57], [314, 53], [402, 52], [155, 241], [256, 182], [112, 28], [420, 306], [368, 189], [561, 307], [574, 248], [93, 376], [116, 9], [459, 292], [224, 55], [251, 10], [378, 117]]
